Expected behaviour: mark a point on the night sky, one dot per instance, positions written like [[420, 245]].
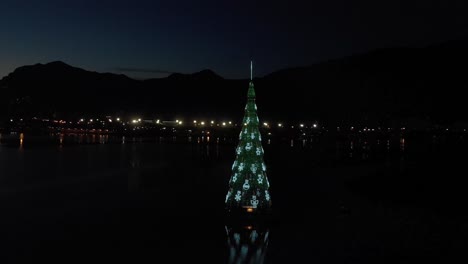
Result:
[[153, 38]]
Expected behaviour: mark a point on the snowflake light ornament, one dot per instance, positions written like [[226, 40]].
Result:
[[238, 196], [241, 167]]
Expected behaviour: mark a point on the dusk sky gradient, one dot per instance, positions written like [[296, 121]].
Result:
[[145, 39]]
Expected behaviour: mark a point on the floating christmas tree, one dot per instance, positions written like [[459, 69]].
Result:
[[248, 185]]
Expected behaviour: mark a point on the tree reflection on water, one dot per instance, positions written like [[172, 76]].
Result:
[[247, 243]]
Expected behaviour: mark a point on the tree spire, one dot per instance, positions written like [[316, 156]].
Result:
[[251, 69]]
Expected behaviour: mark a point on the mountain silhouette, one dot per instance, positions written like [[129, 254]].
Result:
[[379, 87], [201, 75]]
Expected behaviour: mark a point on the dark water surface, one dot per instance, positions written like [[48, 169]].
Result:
[[365, 200]]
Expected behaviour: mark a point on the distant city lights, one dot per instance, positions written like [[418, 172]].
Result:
[[111, 123]]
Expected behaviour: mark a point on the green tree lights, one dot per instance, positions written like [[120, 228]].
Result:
[[248, 185]]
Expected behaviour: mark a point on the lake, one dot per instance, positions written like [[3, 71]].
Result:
[[84, 198]]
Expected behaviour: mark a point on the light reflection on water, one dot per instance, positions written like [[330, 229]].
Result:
[[247, 244], [153, 174], [350, 147], [21, 140], [336, 149]]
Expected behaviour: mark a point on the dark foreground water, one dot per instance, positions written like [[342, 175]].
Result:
[[368, 200]]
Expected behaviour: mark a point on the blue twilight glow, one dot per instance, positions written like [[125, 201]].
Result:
[[145, 38]]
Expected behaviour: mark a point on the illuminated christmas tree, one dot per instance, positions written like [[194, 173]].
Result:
[[248, 185]]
